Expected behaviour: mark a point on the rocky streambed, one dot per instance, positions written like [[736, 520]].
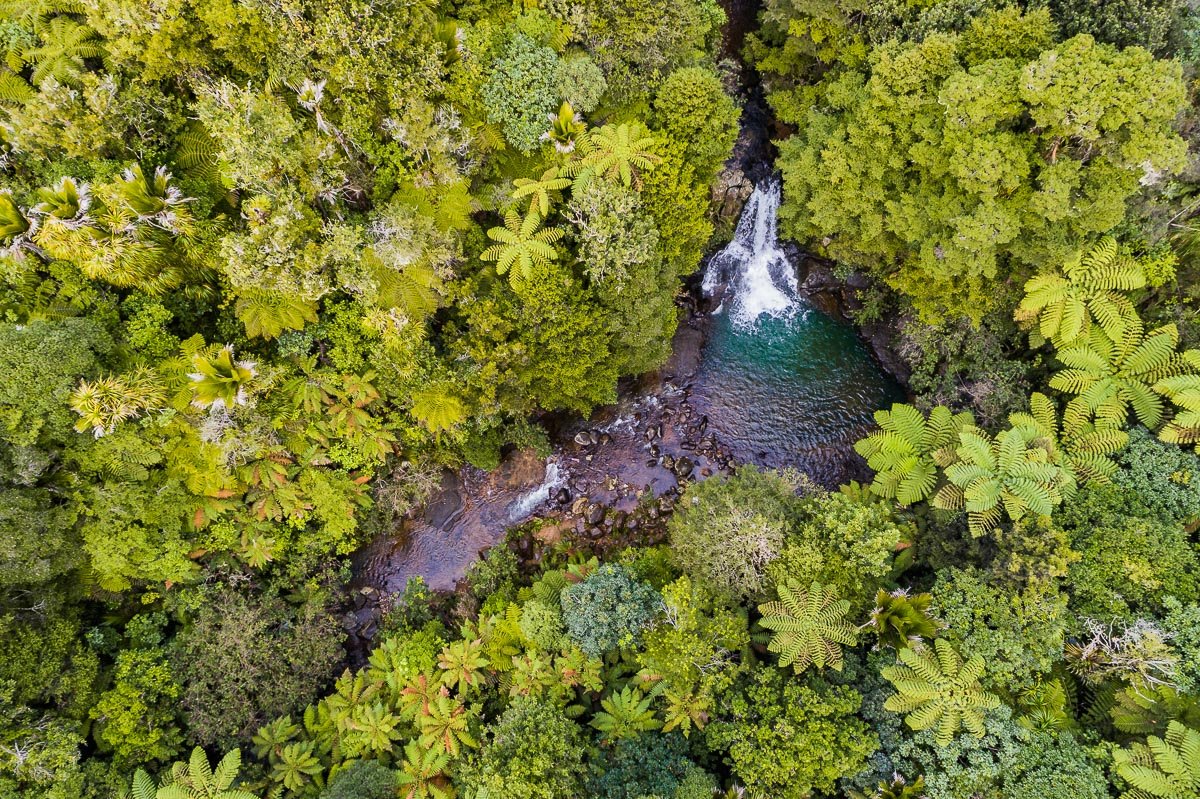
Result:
[[617, 472]]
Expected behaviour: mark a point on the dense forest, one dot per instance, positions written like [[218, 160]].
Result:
[[269, 269]]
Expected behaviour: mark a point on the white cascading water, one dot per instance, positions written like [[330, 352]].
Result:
[[761, 280], [527, 503]]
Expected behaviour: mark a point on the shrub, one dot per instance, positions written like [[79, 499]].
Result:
[[580, 82], [1019, 634], [533, 752], [521, 91], [245, 661], [725, 531], [650, 765], [787, 738], [843, 543], [1163, 478], [609, 610], [543, 625], [1126, 569], [692, 107], [362, 779]]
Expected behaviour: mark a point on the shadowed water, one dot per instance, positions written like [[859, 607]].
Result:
[[783, 384]]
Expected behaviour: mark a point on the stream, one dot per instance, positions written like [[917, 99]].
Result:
[[764, 378]]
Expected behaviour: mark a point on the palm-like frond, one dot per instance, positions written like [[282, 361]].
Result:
[[939, 689], [809, 626], [521, 245], [1065, 306], [540, 191], [908, 448], [105, 403], [901, 620], [616, 152], [1108, 377], [219, 380], [16, 226], [567, 129], [1162, 768]]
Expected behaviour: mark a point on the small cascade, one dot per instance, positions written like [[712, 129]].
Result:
[[528, 502], [761, 280]]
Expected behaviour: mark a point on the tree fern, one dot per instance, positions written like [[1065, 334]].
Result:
[[625, 714], [196, 153], [35, 13], [1183, 391], [423, 773], [615, 152], [195, 779], [1162, 768], [540, 191], [414, 288], [13, 89], [1083, 450], [939, 689], [908, 448], [809, 626], [438, 409], [1065, 306], [1144, 707], [1014, 474], [266, 314], [521, 244], [64, 46], [1109, 378]]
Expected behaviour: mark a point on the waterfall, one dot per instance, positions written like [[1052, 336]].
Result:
[[761, 280]]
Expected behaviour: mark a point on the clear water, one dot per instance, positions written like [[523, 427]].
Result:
[[783, 384]]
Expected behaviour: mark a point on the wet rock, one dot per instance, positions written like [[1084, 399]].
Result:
[[595, 439], [563, 496], [729, 194], [579, 506], [523, 468], [369, 630], [582, 438], [668, 462], [605, 438], [683, 468], [446, 502], [594, 513], [686, 350], [551, 534]]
